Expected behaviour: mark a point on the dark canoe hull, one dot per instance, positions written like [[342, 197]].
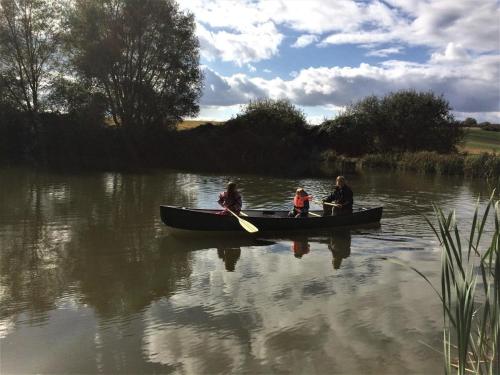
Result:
[[208, 220]]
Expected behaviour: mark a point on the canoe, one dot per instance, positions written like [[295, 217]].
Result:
[[265, 220]]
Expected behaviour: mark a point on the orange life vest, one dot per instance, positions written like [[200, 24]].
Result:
[[299, 200]]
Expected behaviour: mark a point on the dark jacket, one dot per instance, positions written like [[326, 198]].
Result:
[[342, 196], [231, 201]]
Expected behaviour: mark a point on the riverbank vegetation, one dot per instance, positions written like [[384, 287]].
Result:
[[470, 292], [483, 165]]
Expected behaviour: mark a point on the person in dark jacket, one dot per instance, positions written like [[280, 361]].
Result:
[[230, 199], [342, 197]]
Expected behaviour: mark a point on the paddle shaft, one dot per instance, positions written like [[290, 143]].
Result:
[[330, 204]]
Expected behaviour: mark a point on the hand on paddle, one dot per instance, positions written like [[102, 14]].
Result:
[[329, 204]]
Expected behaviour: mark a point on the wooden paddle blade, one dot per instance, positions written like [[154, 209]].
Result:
[[249, 227]]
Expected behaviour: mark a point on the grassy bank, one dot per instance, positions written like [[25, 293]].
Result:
[[482, 165], [191, 124], [477, 140]]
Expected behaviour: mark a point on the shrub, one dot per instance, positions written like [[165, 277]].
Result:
[[349, 134], [270, 116], [402, 121]]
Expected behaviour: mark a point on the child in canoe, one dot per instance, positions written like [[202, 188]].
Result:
[[300, 204]]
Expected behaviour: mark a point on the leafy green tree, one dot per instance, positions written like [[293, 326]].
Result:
[[469, 122], [77, 99], [402, 121], [29, 41], [142, 55], [348, 134], [411, 121], [271, 115]]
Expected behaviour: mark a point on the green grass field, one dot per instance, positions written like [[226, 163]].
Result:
[[477, 140]]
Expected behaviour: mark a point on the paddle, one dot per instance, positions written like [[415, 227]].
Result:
[[329, 204], [249, 227], [313, 214]]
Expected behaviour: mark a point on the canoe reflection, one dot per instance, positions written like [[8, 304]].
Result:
[[224, 243], [338, 241]]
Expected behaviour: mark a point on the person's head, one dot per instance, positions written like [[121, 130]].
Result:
[[231, 187], [300, 192], [340, 181]]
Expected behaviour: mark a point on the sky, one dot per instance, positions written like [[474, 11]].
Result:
[[323, 55]]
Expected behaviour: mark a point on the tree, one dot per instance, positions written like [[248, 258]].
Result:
[[469, 122], [402, 121], [272, 116], [411, 121], [29, 40], [348, 134], [142, 55]]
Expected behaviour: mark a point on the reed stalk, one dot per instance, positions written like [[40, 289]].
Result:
[[470, 292]]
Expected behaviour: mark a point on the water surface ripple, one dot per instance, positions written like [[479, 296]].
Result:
[[92, 282]]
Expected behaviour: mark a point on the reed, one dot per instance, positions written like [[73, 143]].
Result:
[[482, 165], [470, 292]]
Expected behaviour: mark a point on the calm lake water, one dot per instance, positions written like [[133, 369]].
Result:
[[92, 282]]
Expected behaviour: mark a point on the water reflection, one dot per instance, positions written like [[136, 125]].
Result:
[[300, 247], [340, 246], [338, 241], [87, 266], [229, 256]]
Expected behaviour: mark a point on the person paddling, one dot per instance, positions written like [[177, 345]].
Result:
[[342, 197], [300, 204], [230, 199]]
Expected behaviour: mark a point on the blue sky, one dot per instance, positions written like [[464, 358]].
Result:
[[323, 55]]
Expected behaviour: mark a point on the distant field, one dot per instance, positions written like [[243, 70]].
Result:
[[477, 140], [190, 124]]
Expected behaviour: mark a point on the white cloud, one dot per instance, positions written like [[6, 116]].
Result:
[[245, 31], [317, 16], [472, 24], [384, 52], [470, 87], [452, 53], [464, 37], [256, 43], [251, 68], [305, 40]]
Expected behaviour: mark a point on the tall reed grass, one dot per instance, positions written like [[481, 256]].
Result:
[[470, 292], [483, 165]]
